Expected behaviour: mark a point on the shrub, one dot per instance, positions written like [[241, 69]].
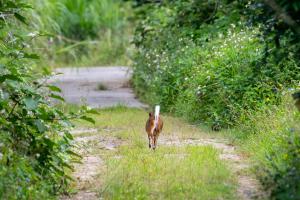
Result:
[[79, 20], [35, 143], [227, 70], [271, 137], [216, 79], [82, 32]]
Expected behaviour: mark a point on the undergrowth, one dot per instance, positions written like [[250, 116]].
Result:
[[215, 78], [35, 143], [83, 33], [271, 138], [227, 65]]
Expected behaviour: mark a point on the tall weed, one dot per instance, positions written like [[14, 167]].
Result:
[[83, 32], [271, 137], [215, 79]]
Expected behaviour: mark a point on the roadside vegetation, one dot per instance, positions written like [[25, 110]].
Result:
[[227, 65], [36, 149], [232, 66], [82, 33]]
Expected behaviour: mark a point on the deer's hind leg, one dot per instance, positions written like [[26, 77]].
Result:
[[149, 139], [155, 140]]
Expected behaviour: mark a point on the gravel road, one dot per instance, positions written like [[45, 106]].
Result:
[[97, 86]]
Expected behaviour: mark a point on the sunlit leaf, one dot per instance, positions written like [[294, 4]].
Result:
[[31, 103], [54, 88], [54, 96], [31, 56], [40, 125], [20, 18], [89, 119]]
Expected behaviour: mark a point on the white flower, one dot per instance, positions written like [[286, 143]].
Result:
[[33, 34]]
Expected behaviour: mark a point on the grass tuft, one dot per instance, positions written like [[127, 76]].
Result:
[[101, 86]]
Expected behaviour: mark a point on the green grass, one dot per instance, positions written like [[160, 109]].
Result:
[[135, 172], [168, 173], [82, 33], [101, 86], [270, 139]]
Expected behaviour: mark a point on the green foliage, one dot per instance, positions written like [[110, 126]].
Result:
[[80, 20], [282, 178], [35, 143], [228, 65], [214, 71], [281, 28], [271, 137], [83, 32]]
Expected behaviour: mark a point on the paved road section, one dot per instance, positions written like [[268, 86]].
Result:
[[97, 86]]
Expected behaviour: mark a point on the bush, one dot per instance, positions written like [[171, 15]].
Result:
[[213, 78], [79, 20], [227, 70], [35, 143], [83, 32], [272, 137]]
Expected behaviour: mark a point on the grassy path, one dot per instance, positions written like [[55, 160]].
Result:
[[188, 164]]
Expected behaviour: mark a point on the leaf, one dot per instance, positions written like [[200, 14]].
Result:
[[40, 125], [31, 103], [25, 5], [93, 111], [57, 170], [11, 4], [54, 88], [49, 142], [46, 71], [89, 119], [31, 56], [9, 76], [69, 135], [54, 96], [44, 33], [20, 18], [67, 166], [73, 154], [69, 177]]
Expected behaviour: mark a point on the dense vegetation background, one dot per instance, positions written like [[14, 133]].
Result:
[[36, 149], [228, 64], [82, 33]]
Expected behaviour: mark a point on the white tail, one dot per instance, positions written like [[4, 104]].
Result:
[[156, 114]]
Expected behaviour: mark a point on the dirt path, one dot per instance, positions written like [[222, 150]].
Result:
[[86, 173], [248, 186], [83, 82]]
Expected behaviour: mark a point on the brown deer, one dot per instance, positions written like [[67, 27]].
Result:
[[154, 126]]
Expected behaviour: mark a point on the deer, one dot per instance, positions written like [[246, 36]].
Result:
[[154, 127]]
